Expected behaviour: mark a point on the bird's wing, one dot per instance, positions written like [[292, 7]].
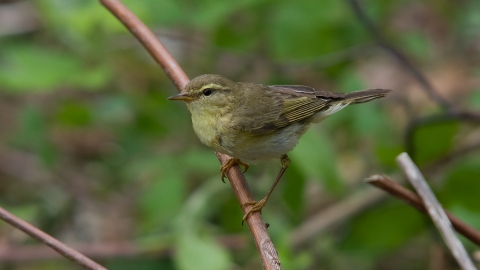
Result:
[[300, 102], [284, 105]]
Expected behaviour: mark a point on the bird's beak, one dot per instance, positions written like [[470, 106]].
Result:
[[181, 96]]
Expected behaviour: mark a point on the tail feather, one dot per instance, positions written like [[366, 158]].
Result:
[[365, 95], [337, 101]]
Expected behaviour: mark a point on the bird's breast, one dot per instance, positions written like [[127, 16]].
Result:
[[210, 129]]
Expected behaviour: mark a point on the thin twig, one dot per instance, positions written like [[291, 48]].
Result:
[[239, 184], [48, 240], [435, 211], [385, 183]]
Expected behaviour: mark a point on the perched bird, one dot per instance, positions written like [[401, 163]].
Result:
[[251, 122]]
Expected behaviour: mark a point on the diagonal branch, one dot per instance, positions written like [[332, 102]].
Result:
[[435, 211], [386, 184], [48, 240], [265, 247]]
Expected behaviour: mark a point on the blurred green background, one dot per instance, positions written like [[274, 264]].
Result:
[[92, 152]]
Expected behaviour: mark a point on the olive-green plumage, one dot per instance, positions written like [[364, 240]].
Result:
[[253, 122]]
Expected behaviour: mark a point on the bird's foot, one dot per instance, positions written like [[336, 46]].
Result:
[[285, 161], [255, 207], [230, 163]]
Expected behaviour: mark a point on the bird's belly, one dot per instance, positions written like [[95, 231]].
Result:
[[218, 134], [250, 147]]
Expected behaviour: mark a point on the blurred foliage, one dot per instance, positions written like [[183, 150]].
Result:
[[92, 152]]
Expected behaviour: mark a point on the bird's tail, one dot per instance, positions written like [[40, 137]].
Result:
[[339, 101], [365, 95]]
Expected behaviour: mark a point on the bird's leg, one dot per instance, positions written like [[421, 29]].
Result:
[[230, 163], [257, 206]]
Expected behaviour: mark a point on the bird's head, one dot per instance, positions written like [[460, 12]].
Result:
[[208, 92]]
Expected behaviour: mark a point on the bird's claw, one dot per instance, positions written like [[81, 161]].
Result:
[[230, 163], [256, 207]]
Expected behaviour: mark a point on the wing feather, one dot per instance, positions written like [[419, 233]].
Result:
[[290, 104], [281, 105]]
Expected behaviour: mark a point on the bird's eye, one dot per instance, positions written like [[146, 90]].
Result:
[[207, 92]]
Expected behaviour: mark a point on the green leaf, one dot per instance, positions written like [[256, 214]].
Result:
[[349, 81], [195, 250], [201, 159], [315, 157], [199, 204], [92, 77], [32, 69], [114, 109], [385, 227], [416, 43], [31, 128], [462, 185], [74, 114], [200, 252], [164, 12], [293, 190], [29, 68], [229, 215], [432, 141], [32, 135], [474, 96], [208, 14], [308, 28], [163, 198], [386, 151], [234, 36], [469, 216], [77, 19], [139, 262]]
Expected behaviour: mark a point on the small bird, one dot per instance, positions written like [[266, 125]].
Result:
[[252, 122]]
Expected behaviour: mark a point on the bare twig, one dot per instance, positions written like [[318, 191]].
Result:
[[435, 211], [239, 184], [48, 240], [385, 183]]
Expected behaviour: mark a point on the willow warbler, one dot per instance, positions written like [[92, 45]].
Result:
[[251, 122]]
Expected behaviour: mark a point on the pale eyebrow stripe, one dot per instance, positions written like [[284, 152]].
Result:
[[214, 86]]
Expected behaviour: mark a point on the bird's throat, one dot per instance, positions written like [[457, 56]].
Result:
[[209, 125]]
